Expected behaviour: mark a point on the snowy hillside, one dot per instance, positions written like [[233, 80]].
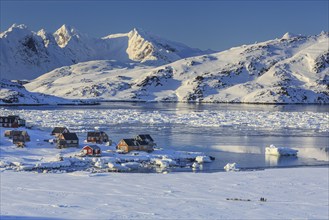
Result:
[[13, 93], [292, 69], [26, 54]]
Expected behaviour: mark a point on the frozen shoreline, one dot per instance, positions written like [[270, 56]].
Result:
[[290, 193]]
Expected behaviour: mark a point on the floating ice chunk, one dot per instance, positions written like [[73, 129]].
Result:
[[119, 167], [54, 164], [3, 164], [203, 159], [17, 163], [280, 151], [26, 167], [132, 165], [111, 165], [99, 164], [231, 167], [195, 165], [162, 163]]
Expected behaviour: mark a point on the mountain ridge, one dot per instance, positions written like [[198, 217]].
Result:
[[26, 54], [291, 69]]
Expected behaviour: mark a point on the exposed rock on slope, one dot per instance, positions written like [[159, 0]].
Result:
[[27, 55], [292, 69]]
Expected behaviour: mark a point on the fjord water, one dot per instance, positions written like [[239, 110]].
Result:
[[228, 143]]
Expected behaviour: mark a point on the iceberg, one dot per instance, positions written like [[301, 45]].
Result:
[[280, 151]]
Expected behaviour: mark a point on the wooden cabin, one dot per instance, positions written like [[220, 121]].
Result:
[[98, 137], [59, 130], [20, 137], [127, 145], [147, 138], [11, 121], [91, 150], [65, 140]]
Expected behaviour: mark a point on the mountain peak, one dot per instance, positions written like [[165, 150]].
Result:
[[139, 32], [18, 26], [289, 35], [64, 34], [17, 30]]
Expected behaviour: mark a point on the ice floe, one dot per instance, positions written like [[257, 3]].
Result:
[[280, 151]]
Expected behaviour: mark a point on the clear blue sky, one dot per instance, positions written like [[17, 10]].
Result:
[[213, 24]]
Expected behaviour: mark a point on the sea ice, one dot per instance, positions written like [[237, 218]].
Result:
[[280, 151]]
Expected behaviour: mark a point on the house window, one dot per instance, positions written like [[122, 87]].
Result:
[[75, 142]]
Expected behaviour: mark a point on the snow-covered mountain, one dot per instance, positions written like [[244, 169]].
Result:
[[14, 93], [26, 54], [291, 69]]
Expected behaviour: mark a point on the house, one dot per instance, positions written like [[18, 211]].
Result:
[[147, 138], [98, 137], [20, 137], [59, 130], [91, 150], [65, 140], [11, 121], [127, 145]]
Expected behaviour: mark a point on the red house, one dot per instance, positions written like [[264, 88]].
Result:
[[91, 150]]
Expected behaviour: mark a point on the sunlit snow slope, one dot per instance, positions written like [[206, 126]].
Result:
[[14, 93], [292, 69], [26, 54]]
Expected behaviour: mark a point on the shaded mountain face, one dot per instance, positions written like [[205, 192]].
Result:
[[292, 69], [26, 54]]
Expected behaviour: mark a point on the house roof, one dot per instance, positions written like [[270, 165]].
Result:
[[134, 142], [94, 147], [145, 137], [59, 130], [10, 118], [70, 136], [17, 132], [95, 133]]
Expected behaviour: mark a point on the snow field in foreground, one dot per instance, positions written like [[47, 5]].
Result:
[[290, 193], [76, 119]]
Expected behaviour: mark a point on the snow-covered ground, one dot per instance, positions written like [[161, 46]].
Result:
[[294, 193], [53, 189], [42, 156]]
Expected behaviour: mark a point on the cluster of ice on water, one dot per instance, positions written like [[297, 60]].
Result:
[[78, 119]]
